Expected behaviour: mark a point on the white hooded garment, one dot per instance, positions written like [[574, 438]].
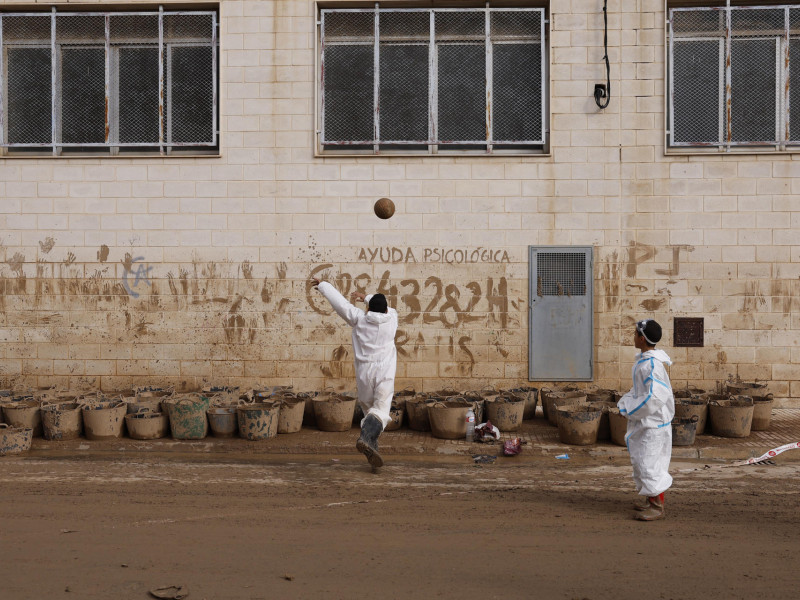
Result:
[[374, 352], [650, 408]]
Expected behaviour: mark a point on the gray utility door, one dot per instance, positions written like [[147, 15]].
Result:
[[561, 338]]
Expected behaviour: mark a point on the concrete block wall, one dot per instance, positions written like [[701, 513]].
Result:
[[188, 271]]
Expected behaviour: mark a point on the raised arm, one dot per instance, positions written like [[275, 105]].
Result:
[[339, 303]]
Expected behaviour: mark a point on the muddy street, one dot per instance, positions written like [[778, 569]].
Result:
[[325, 527]]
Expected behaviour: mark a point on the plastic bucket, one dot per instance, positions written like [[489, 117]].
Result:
[[334, 413], [478, 405], [559, 399], [147, 425], [731, 418], [746, 388], [24, 412], [137, 403], [187, 416], [290, 419], [417, 412], [684, 431], [762, 412], [61, 421], [686, 408], [222, 421], [604, 431], [531, 397], [258, 421], [578, 425], [600, 395], [221, 395], [448, 418], [104, 420], [618, 426], [14, 440], [506, 412]]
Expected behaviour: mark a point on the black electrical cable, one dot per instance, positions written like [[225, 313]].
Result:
[[602, 96]]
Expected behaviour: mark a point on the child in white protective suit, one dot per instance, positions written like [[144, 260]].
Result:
[[649, 408], [375, 360]]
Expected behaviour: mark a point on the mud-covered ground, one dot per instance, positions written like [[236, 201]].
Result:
[[322, 527]]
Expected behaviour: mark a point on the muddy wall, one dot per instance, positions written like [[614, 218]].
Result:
[[116, 271]]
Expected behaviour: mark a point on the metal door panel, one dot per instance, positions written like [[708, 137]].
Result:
[[561, 335]]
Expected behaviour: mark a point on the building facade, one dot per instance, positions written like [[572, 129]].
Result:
[[163, 204]]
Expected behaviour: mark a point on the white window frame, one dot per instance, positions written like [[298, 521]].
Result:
[[433, 145], [164, 145]]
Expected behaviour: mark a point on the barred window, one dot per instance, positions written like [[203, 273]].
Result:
[[733, 77], [432, 80], [108, 82]]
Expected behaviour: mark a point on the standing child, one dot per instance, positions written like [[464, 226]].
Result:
[[375, 359], [649, 408]]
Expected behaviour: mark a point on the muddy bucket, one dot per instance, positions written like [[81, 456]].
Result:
[[618, 426], [258, 421], [688, 392], [604, 431], [147, 425], [104, 420], [221, 395], [544, 397], [684, 431], [478, 405], [61, 421], [600, 395], [222, 421], [417, 412], [686, 408], [531, 397], [14, 440], [559, 399], [448, 418], [578, 425], [397, 413], [137, 403], [187, 416], [731, 418], [749, 389], [24, 412], [308, 410], [762, 412], [290, 419], [334, 413], [505, 412]]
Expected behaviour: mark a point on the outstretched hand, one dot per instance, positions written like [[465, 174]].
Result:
[[357, 296], [315, 282]]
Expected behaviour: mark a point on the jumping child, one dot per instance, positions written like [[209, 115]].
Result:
[[375, 360], [649, 408]]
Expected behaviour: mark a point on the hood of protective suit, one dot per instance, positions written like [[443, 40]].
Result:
[[658, 355], [378, 318]]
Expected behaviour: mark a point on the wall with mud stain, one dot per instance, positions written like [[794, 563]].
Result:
[[188, 270]]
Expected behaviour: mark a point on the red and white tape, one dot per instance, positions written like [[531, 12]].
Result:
[[772, 453], [751, 461]]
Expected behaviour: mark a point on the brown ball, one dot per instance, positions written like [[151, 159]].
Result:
[[384, 208]]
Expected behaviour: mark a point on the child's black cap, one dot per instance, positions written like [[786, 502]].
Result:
[[378, 304], [650, 329]]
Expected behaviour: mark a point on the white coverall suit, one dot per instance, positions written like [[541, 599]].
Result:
[[650, 408], [374, 350]]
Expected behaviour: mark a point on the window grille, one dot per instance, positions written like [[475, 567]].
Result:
[[432, 79], [108, 81], [732, 77]]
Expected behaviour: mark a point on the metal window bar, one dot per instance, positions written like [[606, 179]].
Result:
[[334, 35], [207, 38], [755, 55]]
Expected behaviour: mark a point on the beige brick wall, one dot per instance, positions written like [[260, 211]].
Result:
[[217, 251]]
